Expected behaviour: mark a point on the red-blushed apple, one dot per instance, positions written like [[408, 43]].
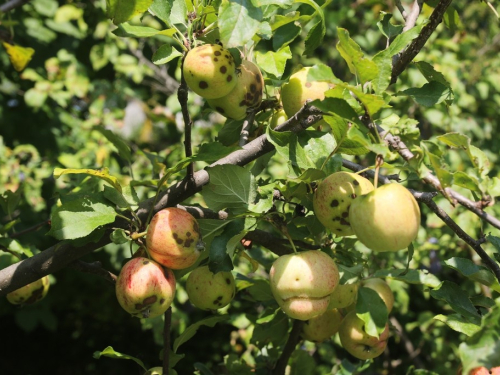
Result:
[[144, 288], [386, 219], [333, 198], [209, 291], [383, 290], [30, 293], [246, 94], [357, 342], [302, 283], [210, 71], [322, 327], [484, 371], [344, 296], [173, 238]]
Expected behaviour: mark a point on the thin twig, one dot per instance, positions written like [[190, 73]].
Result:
[[245, 129], [9, 5], [411, 20], [182, 96], [290, 345], [94, 268], [279, 246], [410, 349], [166, 341], [30, 229], [401, 9]]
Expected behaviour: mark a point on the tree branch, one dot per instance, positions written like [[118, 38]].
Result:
[[290, 345], [166, 340], [278, 246], [12, 4], [245, 128], [182, 96], [94, 268], [409, 54]]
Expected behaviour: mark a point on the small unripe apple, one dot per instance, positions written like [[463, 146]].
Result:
[[298, 89], [246, 94], [386, 219], [209, 71], [154, 371], [30, 293], [333, 198], [344, 296], [173, 238], [278, 118], [322, 327], [144, 288], [209, 291], [357, 342], [383, 290], [302, 283]]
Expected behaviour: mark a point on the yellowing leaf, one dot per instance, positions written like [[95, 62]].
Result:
[[102, 174], [19, 56]]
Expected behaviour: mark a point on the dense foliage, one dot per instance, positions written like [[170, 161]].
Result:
[[93, 134]]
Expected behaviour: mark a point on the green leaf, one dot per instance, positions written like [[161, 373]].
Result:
[[111, 353], [286, 34], [10, 200], [211, 228], [190, 331], [458, 300], [161, 9], [202, 369], [483, 348], [165, 54], [466, 181], [371, 309], [459, 324], [102, 174], [15, 247], [365, 69], [372, 103], [274, 331], [122, 10], [230, 187], [127, 30], [474, 272], [178, 12], [239, 21], [430, 73], [122, 147], [81, 216], [387, 28], [118, 236], [314, 38], [430, 94], [301, 363], [418, 277], [274, 62], [260, 290], [213, 151]]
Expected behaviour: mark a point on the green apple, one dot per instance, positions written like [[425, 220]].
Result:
[[386, 219], [298, 89], [382, 289], [210, 71], [154, 371], [333, 198], [144, 288], [357, 342], [209, 291], [344, 296], [302, 283], [173, 238], [278, 118], [30, 293], [246, 94], [322, 327]]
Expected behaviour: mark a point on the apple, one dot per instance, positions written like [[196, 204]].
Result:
[[210, 71], [382, 289], [154, 371], [386, 219], [173, 238], [302, 283], [357, 342], [484, 371], [322, 327], [144, 288], [246, 94], [30, 293], [209, 291], [344, 296], [333, 198], [278, 118], [298, 89]]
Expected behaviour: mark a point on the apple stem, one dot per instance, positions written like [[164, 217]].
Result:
[[136, 235], [364, 170], [379, 160]]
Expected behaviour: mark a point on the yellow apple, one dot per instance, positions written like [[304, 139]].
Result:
[[344, 296], [386, 219], [322, 327], [209, 291], [31, 293], [382, 289]]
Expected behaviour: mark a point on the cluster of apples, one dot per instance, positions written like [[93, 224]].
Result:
[[211, 72], [145, 288]]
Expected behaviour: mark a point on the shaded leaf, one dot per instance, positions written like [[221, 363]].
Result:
[[122, 10], [111, 353], [190, 331]]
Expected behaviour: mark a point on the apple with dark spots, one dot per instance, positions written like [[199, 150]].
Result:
[[302, 283], [333, 199], [173, 238], [322, 327], [246, 94], [385, 219], [30, 293], [210, 71], [209, 291], [144, 288]]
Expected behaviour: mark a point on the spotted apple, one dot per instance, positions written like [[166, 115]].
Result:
[[209, 291], [30, 293]]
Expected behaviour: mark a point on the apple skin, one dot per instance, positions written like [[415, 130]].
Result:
[[383, 290], [30, 293], [209, 70], [144, 288], [246, 94], [322, 327], [386, 219], [173, 238], [344, 296], [333, 198], [278, 118], [302, 283], [484, 371], [357, 342], [208, 291], [295, 93], [154, 371]]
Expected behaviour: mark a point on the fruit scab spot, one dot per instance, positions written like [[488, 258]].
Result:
[[188, 234], [355, 182], [344, 222], [145, 262], [345, 214], [353, 196], [188, 242], [203, 85], [229, 78], [334, 203], [217, 53], [223, 69], [228, 281]]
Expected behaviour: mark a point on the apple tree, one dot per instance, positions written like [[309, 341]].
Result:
[[250, 186]]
